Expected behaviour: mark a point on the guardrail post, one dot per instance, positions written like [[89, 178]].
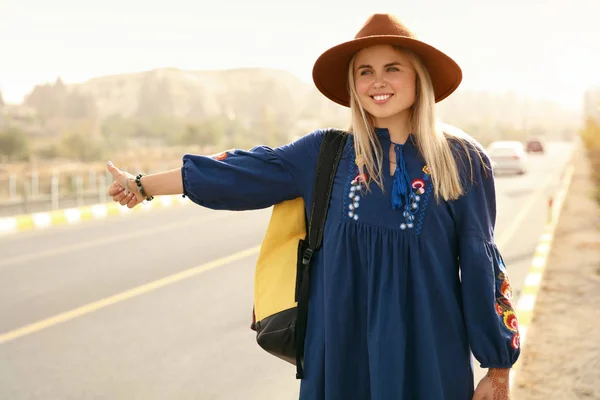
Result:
[[35, 183], [12, 186], [54, 190], [79, 190], [102, 188], [92, 180]]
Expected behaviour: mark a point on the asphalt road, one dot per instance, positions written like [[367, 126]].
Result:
[[157, 305]]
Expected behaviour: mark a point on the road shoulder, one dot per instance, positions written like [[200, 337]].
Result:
[[43, 220], [562, 355]]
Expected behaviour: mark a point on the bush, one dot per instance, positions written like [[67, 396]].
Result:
[[14, 145]]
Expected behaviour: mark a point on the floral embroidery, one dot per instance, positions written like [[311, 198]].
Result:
[[420, 187], [510, 320], [504, 306], [413, 213], [515, 342], [359, 160], [351, 203], [505, 289], [221, 156], [499, 309], [354, 195], [505, 303]]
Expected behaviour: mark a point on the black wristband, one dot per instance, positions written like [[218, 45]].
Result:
[[138, 182]]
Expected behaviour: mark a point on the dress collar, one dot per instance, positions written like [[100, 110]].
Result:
[[402, 189], [382, 132], [384, 135]]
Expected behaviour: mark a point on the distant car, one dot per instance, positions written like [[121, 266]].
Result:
[[508, 156], [535, 146]]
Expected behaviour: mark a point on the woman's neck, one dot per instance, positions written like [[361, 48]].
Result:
[[398, 127]]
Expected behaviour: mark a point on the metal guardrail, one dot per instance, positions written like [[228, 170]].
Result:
[[61, 187], [31, 194]]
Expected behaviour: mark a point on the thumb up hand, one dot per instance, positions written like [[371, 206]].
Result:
[[123, 189]]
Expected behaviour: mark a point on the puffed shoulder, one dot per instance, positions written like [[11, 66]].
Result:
[[308, 145], [257, 178], [472, 160]]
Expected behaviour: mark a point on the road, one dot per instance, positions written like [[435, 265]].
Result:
[[157, 305]]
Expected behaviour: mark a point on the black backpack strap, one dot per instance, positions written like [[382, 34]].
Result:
[[329, 157]]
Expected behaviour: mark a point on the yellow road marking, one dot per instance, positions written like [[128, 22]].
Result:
[[526, 304], [97, 305]]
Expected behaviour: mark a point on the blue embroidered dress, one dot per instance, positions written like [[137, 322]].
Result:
[[390, 316]]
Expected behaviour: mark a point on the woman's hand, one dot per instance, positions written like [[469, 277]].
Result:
[[123, 190], [494, 386]]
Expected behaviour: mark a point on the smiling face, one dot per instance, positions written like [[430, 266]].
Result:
[[385, 82]]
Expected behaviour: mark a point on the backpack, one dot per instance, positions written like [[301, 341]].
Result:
[[282, 276]]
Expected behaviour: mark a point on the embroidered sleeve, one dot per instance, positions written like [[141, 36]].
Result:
[[253, 179], [492, 324]]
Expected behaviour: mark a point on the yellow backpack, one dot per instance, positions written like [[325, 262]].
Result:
[[282, 277]]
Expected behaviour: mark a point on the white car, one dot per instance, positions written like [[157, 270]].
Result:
[[508, 156]]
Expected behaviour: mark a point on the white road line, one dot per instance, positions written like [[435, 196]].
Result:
[[507, 234]]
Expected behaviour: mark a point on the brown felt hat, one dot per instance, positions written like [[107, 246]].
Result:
[[330, 72]]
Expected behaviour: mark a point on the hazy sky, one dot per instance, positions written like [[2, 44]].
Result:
[[543, 48]]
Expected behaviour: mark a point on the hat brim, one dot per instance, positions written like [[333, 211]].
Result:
[[330, 72]]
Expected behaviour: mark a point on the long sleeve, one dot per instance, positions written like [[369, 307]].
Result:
[[492, 324], [253, 179]]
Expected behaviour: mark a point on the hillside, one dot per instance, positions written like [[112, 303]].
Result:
[[246, 95], [249, 94], [239, 107]]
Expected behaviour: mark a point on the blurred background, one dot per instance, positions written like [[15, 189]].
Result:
[[141, 83]]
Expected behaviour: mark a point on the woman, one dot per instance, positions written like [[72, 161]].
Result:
[[409, 280]]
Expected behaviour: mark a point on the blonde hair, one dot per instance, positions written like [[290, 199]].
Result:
[[432, 142]]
